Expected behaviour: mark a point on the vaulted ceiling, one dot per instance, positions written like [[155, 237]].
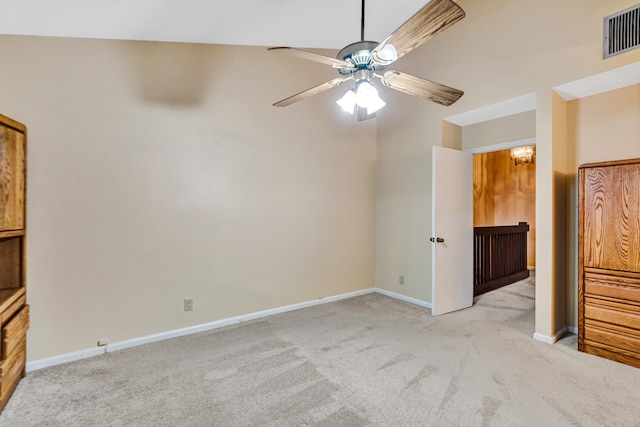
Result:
[[330, 24], [303, 23]]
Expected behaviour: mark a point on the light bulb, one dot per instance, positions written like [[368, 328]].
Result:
[[386, 55], [367, 97], [348, 101]]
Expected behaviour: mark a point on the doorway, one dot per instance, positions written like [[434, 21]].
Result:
[[504, 199], [504, 194]]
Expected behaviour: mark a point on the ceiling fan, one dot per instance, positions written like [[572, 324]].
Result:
[[364, 60]]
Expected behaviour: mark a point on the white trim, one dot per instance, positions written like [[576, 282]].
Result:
[[550, 340], [506, 108], [598, 83], [229, 321], [83, 354], [109, 348], [65, 358], [543, 338], [572, 329], [404, 298], [501, 146]]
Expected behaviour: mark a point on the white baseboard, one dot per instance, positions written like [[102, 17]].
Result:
[[550, 340], [404, 298], [543, 338], [97, 351], [82, 354], [64, 358], [229, 321]]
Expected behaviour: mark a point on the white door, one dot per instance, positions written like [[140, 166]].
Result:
[[452, 232]]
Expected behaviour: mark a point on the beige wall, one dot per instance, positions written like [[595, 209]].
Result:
[[510, 128], [501, 50], [159, 171], [599, 128], [606, 126]]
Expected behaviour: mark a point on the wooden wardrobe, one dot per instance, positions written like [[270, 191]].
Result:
[[14, 311], [609, 260]]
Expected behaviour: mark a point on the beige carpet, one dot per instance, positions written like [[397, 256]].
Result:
[[366, 361]]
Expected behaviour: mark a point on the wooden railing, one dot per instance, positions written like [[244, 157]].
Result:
[[499, 256]]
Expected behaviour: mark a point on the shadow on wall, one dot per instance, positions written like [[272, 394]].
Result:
[[171, 73]]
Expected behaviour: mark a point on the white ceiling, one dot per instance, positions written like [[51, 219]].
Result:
[[330, 24], [303, 23]]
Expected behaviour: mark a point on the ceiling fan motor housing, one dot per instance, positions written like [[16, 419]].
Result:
[[359, 54]]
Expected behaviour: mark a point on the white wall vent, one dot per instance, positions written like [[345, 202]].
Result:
[[622, 31]]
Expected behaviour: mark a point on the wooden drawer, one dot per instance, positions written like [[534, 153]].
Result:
[[614, 285], [612, 353], [13, 309], [14, 331], [11, 370], [613, 335], [612, 314]]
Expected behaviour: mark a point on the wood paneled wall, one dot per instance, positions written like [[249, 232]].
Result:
[[504, 194]]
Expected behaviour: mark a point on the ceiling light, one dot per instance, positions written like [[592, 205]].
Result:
[[386, 55], [524, 155], [367, 97], [364, 96], [348, 101]]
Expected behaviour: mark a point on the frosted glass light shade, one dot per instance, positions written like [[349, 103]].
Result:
[[386, 55], [367, 97], [348, 101]]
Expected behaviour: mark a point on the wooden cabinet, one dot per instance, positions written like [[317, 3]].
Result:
[[14, 311], [609, 260]]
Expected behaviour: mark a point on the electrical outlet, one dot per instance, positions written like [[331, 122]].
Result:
[[401, 280], [188, 304]]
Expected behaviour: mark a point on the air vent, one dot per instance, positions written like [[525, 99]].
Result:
[[622, 31]]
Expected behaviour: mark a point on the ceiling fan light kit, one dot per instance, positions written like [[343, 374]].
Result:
[[365, 60], [385, 56], [364, 95]]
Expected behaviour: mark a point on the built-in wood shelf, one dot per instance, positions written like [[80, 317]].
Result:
[[14, 311], [10, 296], [11, 233]]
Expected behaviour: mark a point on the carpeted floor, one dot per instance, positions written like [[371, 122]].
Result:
[[366, 361]]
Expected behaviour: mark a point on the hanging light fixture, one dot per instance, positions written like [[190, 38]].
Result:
[[367, 97], [522, 156], [364, 95], [348, 101], [362, 55], [365, 60]]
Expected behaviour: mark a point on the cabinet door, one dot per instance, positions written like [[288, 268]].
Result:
[[12, 178], [612, 217]]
